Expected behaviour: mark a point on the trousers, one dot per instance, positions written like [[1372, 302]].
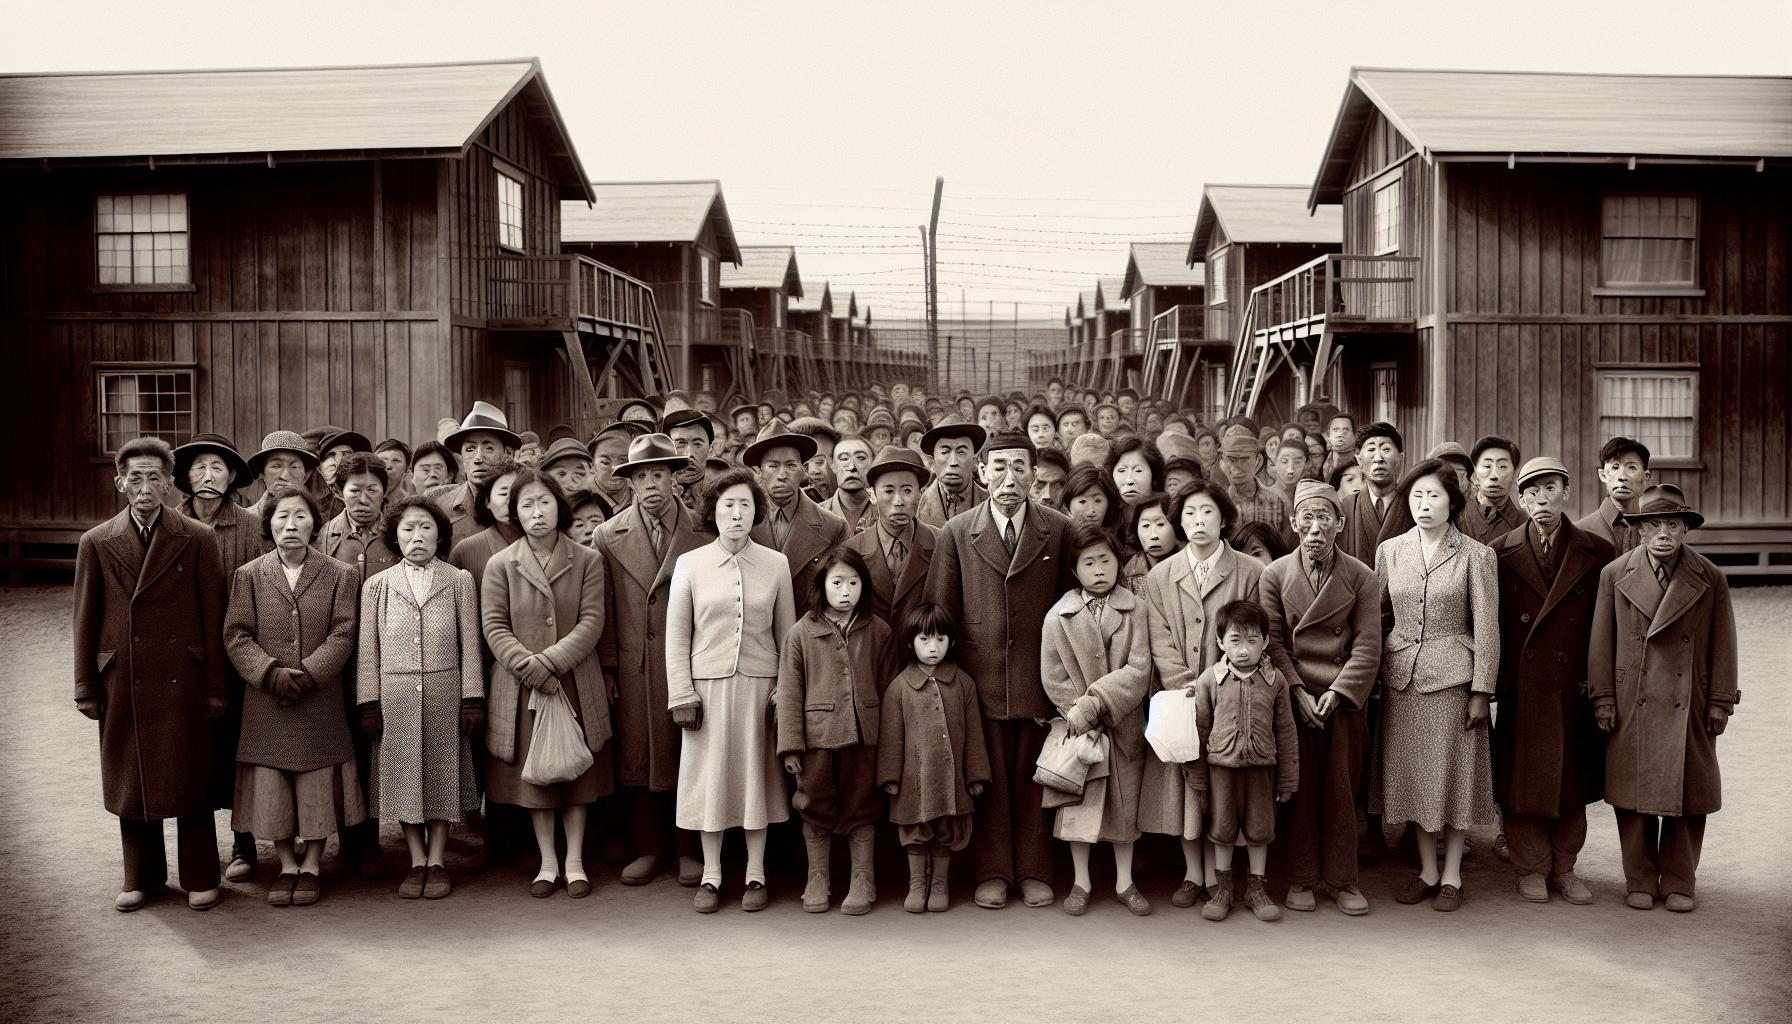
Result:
[[1546, 846], [146, 854], [1661, 855], [1011, 837], [1320, 831]]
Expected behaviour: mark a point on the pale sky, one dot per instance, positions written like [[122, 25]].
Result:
[[1063, 130]]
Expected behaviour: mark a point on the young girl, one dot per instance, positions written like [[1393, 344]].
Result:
[[930, 755], [1154, 539], [830, 675], [1095, 662]]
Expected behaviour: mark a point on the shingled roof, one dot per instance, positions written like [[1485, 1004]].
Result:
[[1160, 265], [765, 267]]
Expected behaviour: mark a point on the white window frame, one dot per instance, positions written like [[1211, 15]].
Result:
[[153, 235], [1386, 219], [1217, 259], [173, 417], [1691, 287], [1623, 422], [1384, 408], [512, 231], [705, 278]]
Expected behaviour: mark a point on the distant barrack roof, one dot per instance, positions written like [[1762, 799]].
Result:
[[1160, 265], [765, 266], [651, 211], [1273, 214], [814, 296]]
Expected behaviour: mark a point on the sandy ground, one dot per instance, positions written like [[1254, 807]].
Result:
[[634, 954]]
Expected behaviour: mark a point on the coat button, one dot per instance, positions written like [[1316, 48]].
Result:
[[1337, 630], [1526, 617], [136, 639], [550, 620]]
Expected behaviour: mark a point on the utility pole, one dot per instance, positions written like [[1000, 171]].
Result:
[[945, 384], [931, 248], [1022, 386]]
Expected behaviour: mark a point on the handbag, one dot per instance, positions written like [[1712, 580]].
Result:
[[557, 748], [1170, 726], [1064, 760]]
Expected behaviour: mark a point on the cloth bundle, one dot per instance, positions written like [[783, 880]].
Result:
[[557, 750], [1065, 760], [1170, 726]]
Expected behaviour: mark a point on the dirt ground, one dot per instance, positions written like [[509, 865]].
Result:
[[490, 951]]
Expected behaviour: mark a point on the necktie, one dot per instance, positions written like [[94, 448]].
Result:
[[1661, 573], [780, 527], [1008, 536], [898, 556], [1544, 539], [1378, 511], [145, 533], [1200, 574], [1318, 576], [951, 503], [1491, 513], [656, 535]]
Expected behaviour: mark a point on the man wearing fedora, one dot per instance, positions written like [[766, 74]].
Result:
[[952, 445], [899, 548], [794, 525], [692, 437], [609, 449], [1548, 755], [640, 548], [284, 460], [484, 442], [1662, 669]]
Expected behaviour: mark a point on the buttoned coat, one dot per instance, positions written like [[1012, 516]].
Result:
[[930, 743], [932, 508], [337, 540], [830, 686], [1110, 661], [309, 626], [557, 613], [892, 597], [1548, 754], [1245, 722], [729, 615], [1441, 625], [1325, 641], [1663, 658], [148, 646], [1363, 533], [813, 533], [1476, 524], [1000, 603], [638, 588]]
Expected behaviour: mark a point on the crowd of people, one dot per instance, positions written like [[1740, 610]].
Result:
[[972, 626]]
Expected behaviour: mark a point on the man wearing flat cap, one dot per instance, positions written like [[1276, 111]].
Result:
[[952, 447], [1324, 611], [1662, 668], [794, 525], [1377, 512], [1548, 755], [692, 437], [898, 548]]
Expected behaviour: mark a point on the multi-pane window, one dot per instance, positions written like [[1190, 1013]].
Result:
[[1649, 241], [1385, 392], [1657, 407], [143, 403], [142, 238], [1385, 218], [510, 211]]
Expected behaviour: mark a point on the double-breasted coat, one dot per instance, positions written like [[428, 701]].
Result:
[[1663, 658], [932, 507], [1364, 531], [892, 597], [1330, 640], [830, 685], [1000, 603], [813, 533], [638, 587], [1109, 661], [148, 646], [930, 742], [1548, 754]]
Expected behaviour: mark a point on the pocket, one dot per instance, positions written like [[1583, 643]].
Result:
[[827, 706], [1467, 642], [104, 660]]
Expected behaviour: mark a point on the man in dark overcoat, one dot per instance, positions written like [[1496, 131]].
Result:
[[1662, 666], [899, 548], [998, 568], [1376, 512], [1548, 755], [640, 547], [794, 525], [150, 669]]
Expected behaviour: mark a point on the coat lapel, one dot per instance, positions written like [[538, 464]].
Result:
[[1030, 543], [988, 542], [123, 548], [1638, 585], [1577, 561], [1517, 551], [1685, 589], [1334, 593], [920, 557], [1452, 544], [806, 537], [1223, 567], [165, 545], [530, 569], [634, 547]]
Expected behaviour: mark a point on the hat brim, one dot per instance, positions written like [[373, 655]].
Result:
[[669, 461], [186, 453], [755, 453], [1692, 519], [356, 441], [969, 431], [452, 441], [259, 460]]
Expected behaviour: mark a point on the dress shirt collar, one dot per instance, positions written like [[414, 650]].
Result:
[[1019, 519], [1211, 561]]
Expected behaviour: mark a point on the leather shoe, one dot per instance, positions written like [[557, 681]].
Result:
[[755, 898], [1300, 898], [690, 871], [1415, 891], [578, 888], [542, 888], [707, 900], [205, 900], [1533, 888], [1449, 897], [1680, 903], [1572, 889], [1188, 894], [992, 894], [641, 870], [1351, 900], [436, 883], [412, 886], [239, 870], [1639, 901], [306, 890], [1501, 848], [129, 900], [280, 893], [1077, 903], [1035, 893], [1135, 902]]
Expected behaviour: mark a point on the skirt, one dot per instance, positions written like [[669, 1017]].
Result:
[[1167, 805], [504, 782], [274, 804], [952, 832], [1428, 769], [728, 772]]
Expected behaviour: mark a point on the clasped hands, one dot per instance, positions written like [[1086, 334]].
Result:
[[1315, 711], [289, 685], [534, 672]]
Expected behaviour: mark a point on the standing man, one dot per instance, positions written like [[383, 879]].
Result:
[[852, 490], [1340, 443], [1624, 470], [793, 524], [1240, 461], [818, 472], [692, 437], [1054, 392], [1548, 755], [569, 464], [1324, 612], [1073, 422], [952, 445], [1491, 513], [484, 442], [397, 457], [145, 576], [1662, 667], [898, 549], [1376, 512], [998, 569]]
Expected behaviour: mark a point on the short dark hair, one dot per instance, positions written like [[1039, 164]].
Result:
[[355, 463], [1084, 536], [1496, 441], [429, 448], [712, 493], [1214, 491], [1242, 614], [1154, 459], [482, 493], [1056, 457], [1081, 479], [927, 619], [396, 511], [1069, 408], [1381, 429], [280, 494], [1618, 447], [1445, 477], [526, 475], [818, 583], [144, 448], [1338, 471], [1155, 500], [1055, 380], [1262, 533], [1340, 415], [1039, 409], [393, 444]]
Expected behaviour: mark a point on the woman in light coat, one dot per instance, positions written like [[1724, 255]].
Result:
[[731, 607]]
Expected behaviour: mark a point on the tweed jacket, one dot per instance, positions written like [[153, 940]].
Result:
[[1245, 721], [557, 613], [932, 509], [930, 743], [1325, 641], [1440, 625], [367, 554], [1475, 523], [456, 502], [1182, 616], [830, 686], [813, 533], [891, 598], [401, 641], [308, 626], [855, 525], [728, 616], [1662, 658], [148, 645], [1363, 533], [238, 531], [1000, 603]]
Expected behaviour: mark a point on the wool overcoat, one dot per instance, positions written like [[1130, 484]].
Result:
[[930, 742], [337, 540], [830, 686], [1476, 524], [1325, 641], [813, 533], [238, 530], [932, 509], [239, 542], [456, 502], [891, 597], [1363, 533], [1110, 661]]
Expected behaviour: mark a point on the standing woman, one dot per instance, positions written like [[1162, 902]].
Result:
[[1152, 536], [491, 504], [731, 606], [1439, 664], [1136, 467], [420, 690], [1090, 497], [289, 630], [542, 608]]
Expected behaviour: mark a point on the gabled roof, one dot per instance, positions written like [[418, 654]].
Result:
[[814, 298], [849, 310], [275, 113], [1108, 297], [1085, 304], [765, 267], [651, 211], [1159, 265], [1553, 114], [1263, 213]]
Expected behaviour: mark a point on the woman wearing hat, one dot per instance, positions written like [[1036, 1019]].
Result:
[[285, 460]]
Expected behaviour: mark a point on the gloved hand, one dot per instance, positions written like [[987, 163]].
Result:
[[373, 724], [216, 706], [1716, 720], [472, 717], [1605, 715], [688, 716], [91, 708], [302, 679], [1079, 719], [534, 673]]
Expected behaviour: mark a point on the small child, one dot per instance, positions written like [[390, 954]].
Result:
[[930, 755], [834, 666], [1095, 664], [1250, 758]]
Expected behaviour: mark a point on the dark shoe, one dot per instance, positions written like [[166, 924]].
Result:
[[1077, 903], [707, 900], [1449, 898], [280, 893], [1571, 889], [690, 871], [755, 898], [306, 890], [578, 888], [132, 899], [1501, 848], [239, 870], [1415, 891], [1680, 903], [1035, 893], [1219, 899], [1640, 901], [992, 894], [414, 880], [1133, 900], [1533, 888], [1301, 898], [641, 870], [1188, 894], [542, 888], [1257, 898], [436, 883], [1351, 900]]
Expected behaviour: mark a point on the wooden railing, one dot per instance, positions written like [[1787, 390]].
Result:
[[526, 289], [1356, 288], [1184, 323], [736, 328], [1127, 341]]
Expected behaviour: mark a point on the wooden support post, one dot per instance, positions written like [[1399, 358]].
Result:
[[584, 413]]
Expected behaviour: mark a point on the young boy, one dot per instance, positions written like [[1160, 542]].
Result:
[[1250, 757]]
